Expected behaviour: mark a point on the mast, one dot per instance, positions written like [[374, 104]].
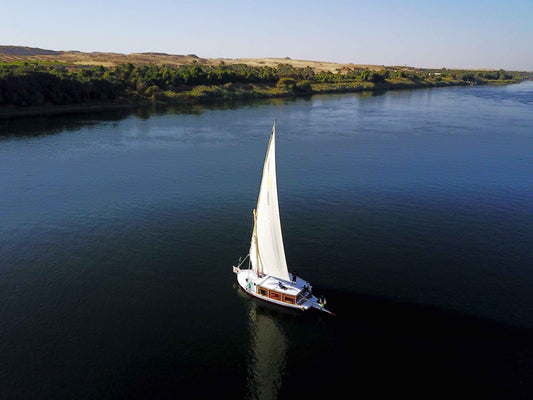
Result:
[[254, 246]]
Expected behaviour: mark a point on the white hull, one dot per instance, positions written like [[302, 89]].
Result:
[[292, 294]]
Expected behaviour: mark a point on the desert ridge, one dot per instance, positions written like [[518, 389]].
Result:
[[20, 53]]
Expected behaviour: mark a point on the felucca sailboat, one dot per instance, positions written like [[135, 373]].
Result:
[[267, 276]]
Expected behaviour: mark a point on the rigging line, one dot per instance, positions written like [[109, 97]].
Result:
[[245, 242], [243, 260]]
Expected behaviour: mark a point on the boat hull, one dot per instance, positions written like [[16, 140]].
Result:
[[295, 294]]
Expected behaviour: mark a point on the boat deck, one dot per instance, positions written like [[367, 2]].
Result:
[[282, 286]]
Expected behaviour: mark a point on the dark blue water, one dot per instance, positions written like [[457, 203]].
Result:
[[412, 211]]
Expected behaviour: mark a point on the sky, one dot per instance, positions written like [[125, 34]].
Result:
[[425, 34]]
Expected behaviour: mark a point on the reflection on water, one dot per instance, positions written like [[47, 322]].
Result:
[[55, 124], [268, 351]]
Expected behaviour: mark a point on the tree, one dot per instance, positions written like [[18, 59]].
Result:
[[287, 71]]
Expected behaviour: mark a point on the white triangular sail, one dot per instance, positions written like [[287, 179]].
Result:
[[267, 254]]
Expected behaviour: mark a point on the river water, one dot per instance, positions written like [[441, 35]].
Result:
[[411, 211]]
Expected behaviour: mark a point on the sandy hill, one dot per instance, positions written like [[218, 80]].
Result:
[[19, 53]]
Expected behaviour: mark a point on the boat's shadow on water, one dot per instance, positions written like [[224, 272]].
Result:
[[428, 350], [394, 348]]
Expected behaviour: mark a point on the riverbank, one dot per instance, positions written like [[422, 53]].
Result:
[[230, 92], [37, 82]]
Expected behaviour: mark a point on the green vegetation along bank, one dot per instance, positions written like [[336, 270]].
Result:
[[30, 88]]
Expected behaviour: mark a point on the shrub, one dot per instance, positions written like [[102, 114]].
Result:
[[286, 83], [303, 87]]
